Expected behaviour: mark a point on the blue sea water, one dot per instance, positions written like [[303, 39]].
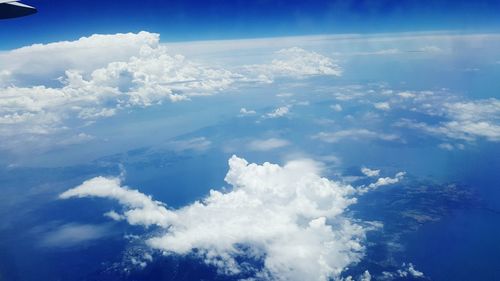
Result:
[[462, 246]]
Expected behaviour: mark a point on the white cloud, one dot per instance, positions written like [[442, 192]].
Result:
[[409, 270], [114, 216], [465, 121], [4, 77], [453, 118], [336, 107], [278, 112], [366, 276], [136, 71], [49, 61], [414, 272], [381, 182], [406, 270], [299, 62], [296, 62], [245, 112], [70, 235], [267, 144], [356, 134], [382, 106], [143, 210], [474, 110], [50, 88], [469, 130], [387, 180], [370, 173], [407, 95], [288, 216]]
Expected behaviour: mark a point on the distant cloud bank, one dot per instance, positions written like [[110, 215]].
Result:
[[48, 88]]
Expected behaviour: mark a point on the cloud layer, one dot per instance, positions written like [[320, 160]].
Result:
[[101, 75], [54, 88]]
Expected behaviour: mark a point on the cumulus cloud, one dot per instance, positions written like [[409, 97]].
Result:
[[407, 95], [49, 88], [267, 144], [387, 180], [466, 121], [356, 134], [245, 112], [475, 110], [39, 61], [380, 181], [114, 215], [366, 276], [369, 172], [336, 107], [411, 270], [101, 75], [288, 216], [278, 112], [469, 130], [406, 270], [382, 106], [296, 62], [49, 61], [451, 118]]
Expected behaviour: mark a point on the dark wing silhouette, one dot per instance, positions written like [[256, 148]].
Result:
[[13, 9]]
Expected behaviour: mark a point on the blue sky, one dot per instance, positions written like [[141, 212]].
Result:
[[217, 19]]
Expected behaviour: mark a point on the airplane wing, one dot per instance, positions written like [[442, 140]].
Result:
[[14, 9]]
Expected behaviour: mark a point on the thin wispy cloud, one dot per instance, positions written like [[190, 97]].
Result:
[[267, 144]]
